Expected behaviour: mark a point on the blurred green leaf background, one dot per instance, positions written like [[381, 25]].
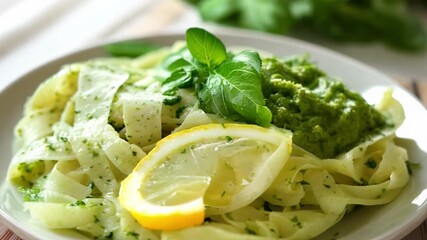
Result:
[[389, 21]]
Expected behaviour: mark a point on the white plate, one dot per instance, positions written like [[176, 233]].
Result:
[[392, 221]]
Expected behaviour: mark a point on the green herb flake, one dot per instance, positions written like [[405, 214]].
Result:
[[170, 101], [95, 153], [250, 231], [303, 182], [179, 111], [276, 197], [371, 163], [296, 222], [132, 234], [78, 203]]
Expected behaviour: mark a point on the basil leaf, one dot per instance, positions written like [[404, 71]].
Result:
[[235, 87], [250, 57], [213, 98], [205, 47], [181, 78], [130, 48], [177, 59]]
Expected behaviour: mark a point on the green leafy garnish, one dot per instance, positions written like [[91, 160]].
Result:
[[245, 97], [225, 84], [205, 47], [181, 78], [130, 48]]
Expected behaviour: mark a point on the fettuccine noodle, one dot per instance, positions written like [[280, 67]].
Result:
[[86, 127]]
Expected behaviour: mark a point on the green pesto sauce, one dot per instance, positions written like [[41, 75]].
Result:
[[325, 117]]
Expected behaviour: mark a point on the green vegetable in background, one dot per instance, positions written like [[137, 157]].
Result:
[[345, 20], [225, 84], [130, 48]]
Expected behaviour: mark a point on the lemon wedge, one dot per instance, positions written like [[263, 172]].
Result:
[[209, 169]]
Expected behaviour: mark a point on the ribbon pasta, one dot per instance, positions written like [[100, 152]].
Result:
[[85, 129]]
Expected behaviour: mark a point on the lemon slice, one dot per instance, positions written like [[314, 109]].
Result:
[[217, 167]]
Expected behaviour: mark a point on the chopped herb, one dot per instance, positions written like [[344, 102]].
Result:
[[179, 111], [20, 132], [24, 167], [169, 101], [51, 147], [371, 163], [229, 216], [410, 166], [363, 182], [95, 154], [109, 236], [303, 182], [132, 234], [276, 197], [250, 231], [296, 222], [266, 206], [78, 203]]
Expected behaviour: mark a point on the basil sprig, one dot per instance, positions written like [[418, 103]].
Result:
[[225, 84]]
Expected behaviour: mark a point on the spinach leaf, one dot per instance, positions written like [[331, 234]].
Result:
[[205, 47]]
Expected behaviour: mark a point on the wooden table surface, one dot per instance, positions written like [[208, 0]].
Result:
[[420, 91]]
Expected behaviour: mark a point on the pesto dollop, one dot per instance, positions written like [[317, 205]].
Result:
[[325, 117]]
